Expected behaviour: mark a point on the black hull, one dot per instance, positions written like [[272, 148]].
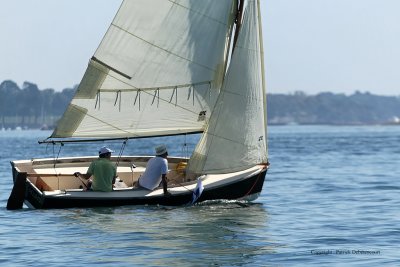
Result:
[[243, 188]]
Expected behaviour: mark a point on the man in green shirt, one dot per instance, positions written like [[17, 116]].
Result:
[[103, 171]]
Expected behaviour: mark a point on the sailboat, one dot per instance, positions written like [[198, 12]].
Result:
[[165, 68]]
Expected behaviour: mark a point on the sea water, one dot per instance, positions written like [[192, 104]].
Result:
[[331, 197]]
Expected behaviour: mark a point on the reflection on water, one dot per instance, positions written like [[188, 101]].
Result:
[[224, 233]]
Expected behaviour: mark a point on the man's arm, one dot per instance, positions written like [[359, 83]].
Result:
[[84, 176], [165, 185], [88, 174], [114, 179]]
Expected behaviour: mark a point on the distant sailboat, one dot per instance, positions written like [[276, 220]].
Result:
[[165, 68]]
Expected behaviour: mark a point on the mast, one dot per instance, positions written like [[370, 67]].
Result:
[[238, 21]]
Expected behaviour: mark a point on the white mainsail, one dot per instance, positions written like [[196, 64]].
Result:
[[157, 71], [161, 70], [235, 138]]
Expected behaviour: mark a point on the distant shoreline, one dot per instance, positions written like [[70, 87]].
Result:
[[269, 124], [33, 108]]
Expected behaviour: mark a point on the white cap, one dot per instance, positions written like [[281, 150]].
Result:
[[160, 150], [105, 150]]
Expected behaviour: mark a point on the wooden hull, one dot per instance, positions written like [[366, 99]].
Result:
[[239, 185]]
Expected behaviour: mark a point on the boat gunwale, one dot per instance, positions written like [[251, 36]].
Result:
[[41, 200]]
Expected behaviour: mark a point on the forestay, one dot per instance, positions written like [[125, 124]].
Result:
[[157, 71], [235, 138]]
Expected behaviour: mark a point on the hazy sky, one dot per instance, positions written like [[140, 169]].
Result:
[[310, 45]]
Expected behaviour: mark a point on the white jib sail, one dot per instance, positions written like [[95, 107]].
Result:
[[235, 138], [157, 71]]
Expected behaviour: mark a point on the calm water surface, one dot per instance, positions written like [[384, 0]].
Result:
[[331, 198]]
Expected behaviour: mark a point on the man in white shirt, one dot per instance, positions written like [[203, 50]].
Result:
[[156, 171]]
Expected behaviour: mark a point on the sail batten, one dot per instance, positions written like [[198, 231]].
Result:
[[111, 68]]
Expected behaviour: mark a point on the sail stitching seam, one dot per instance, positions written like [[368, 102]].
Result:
[[93, 117], [234, 141], [197, 12], [163, 49]]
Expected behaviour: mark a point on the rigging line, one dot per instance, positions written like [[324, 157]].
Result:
[[190, 190], [162, 49], [191, 91], [158, 98], [251, 189], [185, 149], [136, 98], [156, 93], [54, 156], [47, 144], [121, 151], [118, 97], [55, 162], [122, 130], [58, 154], [176, 97], [174, 92], [179, 106], [143, 89], [105, 90], [135, 88]]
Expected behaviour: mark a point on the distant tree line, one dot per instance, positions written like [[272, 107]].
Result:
[[29, 107], [328, 108]]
